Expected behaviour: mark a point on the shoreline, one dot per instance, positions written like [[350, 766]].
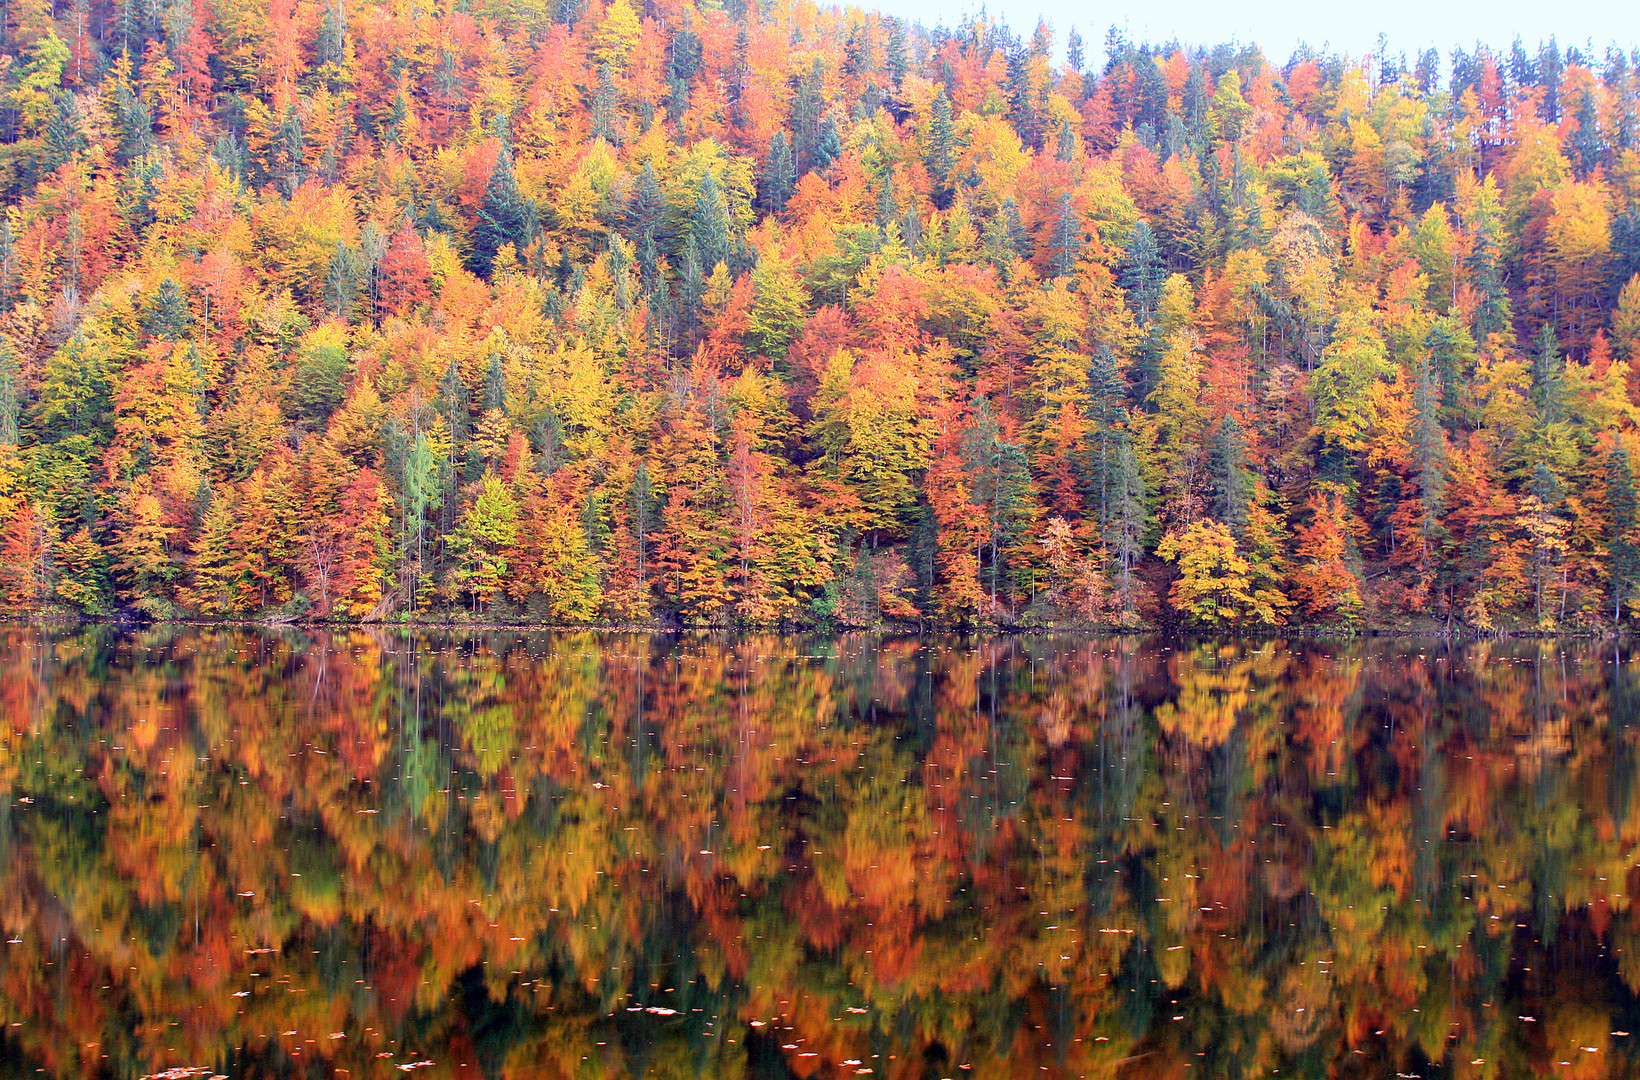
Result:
[[1309, 632]]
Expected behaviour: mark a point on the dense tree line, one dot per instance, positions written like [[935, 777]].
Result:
[[767, 314]]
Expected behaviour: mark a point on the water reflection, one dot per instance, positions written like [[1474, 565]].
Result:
[[605, 856]]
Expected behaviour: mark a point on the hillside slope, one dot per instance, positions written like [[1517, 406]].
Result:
[[783, 315]]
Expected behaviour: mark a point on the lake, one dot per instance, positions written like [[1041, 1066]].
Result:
[[232, 852]]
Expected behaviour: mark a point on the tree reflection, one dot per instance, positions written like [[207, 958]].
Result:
[[605, 855]]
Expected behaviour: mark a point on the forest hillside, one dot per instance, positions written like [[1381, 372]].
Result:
[[772, 314]]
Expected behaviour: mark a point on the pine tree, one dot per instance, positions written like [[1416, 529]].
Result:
[[1584, 145], [11, 405], [1005, 237], [1545, 530], [423, 494], [1195, 101], [642, 218], [1549, 68], [828, 147]]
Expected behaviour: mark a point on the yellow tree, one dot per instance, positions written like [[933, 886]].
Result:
[[1215, 587]]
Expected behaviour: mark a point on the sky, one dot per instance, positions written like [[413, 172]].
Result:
[[1351, 27]]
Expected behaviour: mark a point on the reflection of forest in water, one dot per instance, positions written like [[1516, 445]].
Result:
[[598, 855]]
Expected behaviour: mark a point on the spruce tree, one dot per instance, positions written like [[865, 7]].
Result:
[[603, 104], [896, 61], [1227, 464], [829, 147], [1622, 511], [11, 404], [1124, 535], [1142, 272], [709, 228], [1548, 377], [939, 150], [166, 315], [808, 106], [1067, 241], [641, 220], [779, 174], [340, 281], [504, 217], [1066, 149]]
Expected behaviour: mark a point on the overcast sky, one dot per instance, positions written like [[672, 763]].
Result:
[[1350, 27]]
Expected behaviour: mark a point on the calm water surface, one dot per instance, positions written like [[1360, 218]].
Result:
[[255, 854]]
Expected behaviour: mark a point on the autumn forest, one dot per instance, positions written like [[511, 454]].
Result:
[[755, 313]]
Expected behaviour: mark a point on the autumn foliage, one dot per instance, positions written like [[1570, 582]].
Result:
[[772, 315]]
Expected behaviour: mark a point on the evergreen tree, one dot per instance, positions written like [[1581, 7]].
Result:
[[691, 284], [1021, 90], [11, 403], [999, 481], [1066, 242], [1622, 544], [340, 281], [1584, 144], [1124, 535], [642, 219], [1195, 102], [495, 385], [896, 62], [939, 147], [1484, 267], [1522, 71], [808, 106], [1428, 439], [1549, 68], [1142, 272], [779, 174], [709, 229], [1005, 238], [1548, 377], [504, 217], [1066, 150], [65, 135], [166, 315], [603, 104], [1106, 415], [829, 147], [1227, 464]]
